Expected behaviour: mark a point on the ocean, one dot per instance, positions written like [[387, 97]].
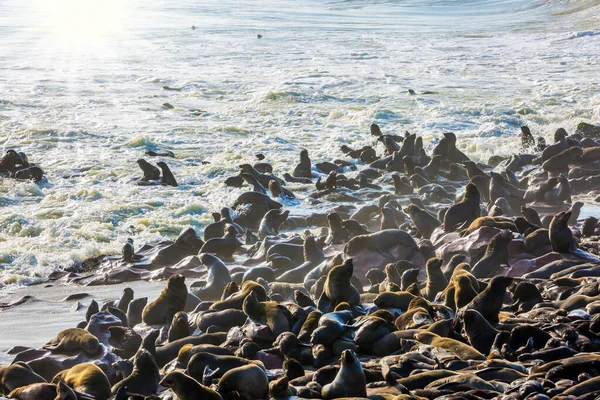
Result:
[[82, 94]]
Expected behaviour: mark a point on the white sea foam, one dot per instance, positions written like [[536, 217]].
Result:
[[81, 92]]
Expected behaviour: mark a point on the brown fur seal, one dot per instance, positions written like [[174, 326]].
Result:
[[179, 328], [464, 292], [382, 242], [275, 316], [199, 361], [236, 301], [489, 301], [479, 332], [187, 388], [496, 254], [350, 381], [74, 340], [271, 222], [170, 301], [45, 391], [135, 309], [561, 237], [86, 378], [249, 381], [338, 287], [465, 211], [144, 378], [436, 280], [124, 341], [224, 246], [303, 169], [461, 350], [17, 375], [423, 221]]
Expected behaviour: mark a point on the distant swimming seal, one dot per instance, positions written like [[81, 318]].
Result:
[[86, 378], [465, 211], [74, 340], [170, 301], [151, 173], [423, 221], [250, 381], [144, 378], [350, 381], [187, 388], [167, 176], [271, 222]]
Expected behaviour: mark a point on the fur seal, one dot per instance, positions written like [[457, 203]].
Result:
[[135, 309], [124, 341], [561, 237], [179, 328], [479, 332], [489, 302], [218, 277], [275, 316], [423, 221], [250, 381], [338, 287], [277, 190], [381, 242], [350, 381], [303, 169], [461, 350], [496, 254], [465, 211], [144, 378], [271, 222], [187, 388], [436, 280], [86, 378], [17, 375], [74, 340], [167, 176], [170, 301], [128, 251], [151, 173], [225, 246]]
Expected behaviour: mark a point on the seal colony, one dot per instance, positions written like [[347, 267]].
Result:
[[425, 276]]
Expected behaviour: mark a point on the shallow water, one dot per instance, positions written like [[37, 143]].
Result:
[[81, 93]]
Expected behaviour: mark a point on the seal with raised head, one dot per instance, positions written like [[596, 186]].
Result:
[[561, 236], [271, 222], [350, 380], [302, 170], [465, 211], [170, 301], [423, 221], [86, 378], [144, 378], [224, 246], [168, 178], [218, 277], [274, 315], [187, 388], [338, 287], [496, 254], [151, 173]]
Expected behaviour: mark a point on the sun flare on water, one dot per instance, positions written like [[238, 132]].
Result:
[[74, 25]]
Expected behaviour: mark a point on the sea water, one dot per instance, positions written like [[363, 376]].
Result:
[[81, 92]]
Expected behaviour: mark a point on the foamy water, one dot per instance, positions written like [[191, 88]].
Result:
[[81, 93]]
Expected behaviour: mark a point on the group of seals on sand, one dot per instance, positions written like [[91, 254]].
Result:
[[416, 277]]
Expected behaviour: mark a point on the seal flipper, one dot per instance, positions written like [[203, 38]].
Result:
[[324, 304]]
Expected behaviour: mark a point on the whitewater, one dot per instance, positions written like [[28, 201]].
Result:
[[82, 93]]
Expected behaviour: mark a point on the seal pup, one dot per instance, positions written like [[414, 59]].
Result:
[[167, 176], [187, 388], [170, 301], [350, 380]]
